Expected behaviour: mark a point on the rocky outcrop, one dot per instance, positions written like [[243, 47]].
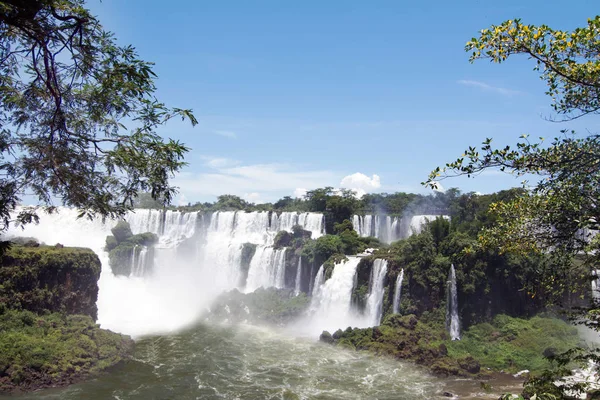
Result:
[[50, 279], [124, 247], [405, 338], [48, 334]]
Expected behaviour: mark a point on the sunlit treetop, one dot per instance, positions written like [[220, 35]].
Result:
[[568, 61]]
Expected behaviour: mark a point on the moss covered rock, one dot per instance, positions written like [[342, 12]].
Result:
[[123, 247], [50, 279], [54, 349]]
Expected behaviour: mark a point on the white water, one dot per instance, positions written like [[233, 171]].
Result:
[[319, 281], [390, 229], [331, 306], [298, 277], [182, 284], [398, 292], [376, 290], [267, 269], [452, 321], [596, 286]]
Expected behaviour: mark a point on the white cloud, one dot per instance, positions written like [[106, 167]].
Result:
[[489, 88], [217, 162], [182, 200], [252, 197], [361, 183], [300, 193], [269, 181], [227, 134]]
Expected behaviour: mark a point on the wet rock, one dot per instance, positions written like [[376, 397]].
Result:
[[326, 337], [470, 365], [443, 349]]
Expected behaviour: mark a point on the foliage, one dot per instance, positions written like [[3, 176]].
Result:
[[514, 344], [406, 338], [568, 61], [78, 114], [326, 246], [49, 279], [54, 349], [124, 245], [556, 216]]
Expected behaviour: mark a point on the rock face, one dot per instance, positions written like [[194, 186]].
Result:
[[48, 334], [50, 279], [123, 247]]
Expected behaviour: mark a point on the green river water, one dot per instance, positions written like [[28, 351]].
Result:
[[242, 362]]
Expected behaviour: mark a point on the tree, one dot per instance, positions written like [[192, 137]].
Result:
[[557, 215], [78, 116]]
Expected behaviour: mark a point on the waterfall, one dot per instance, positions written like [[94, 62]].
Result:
[[398, 292], [319, 280], [139, 260], [389, 229], [198, 255], [417, 222], [267, 269], [376, 291], [595, 286], [331, 301], [298, 277], [452, 322]]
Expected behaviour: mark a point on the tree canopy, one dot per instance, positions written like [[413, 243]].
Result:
[[78, 114], [559, 215]]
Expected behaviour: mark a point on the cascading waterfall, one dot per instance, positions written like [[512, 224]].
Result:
[[184, 279], [389, 229], [376, 291], [417, 222], [139, 260], [319, 280], [331, 306], [398, 292], [452, 321], [595, 286], [267, 269], [298, 277]]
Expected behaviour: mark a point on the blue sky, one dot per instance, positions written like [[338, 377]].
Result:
[[299, 95]]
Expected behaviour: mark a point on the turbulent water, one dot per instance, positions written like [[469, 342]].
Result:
[[208, 362], [182, 284], [213, 362]]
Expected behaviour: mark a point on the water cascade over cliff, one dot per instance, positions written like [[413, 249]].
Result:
[[398, 292], [331, 306], [452, 321], [376, 291], [196, 258], [389, 229]]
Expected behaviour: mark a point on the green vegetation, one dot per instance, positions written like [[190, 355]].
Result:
[[553, 218], [47, 310], [506, 344], [49, 279], [67, 90], [48, 350], [514, 344], [123, 245]]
